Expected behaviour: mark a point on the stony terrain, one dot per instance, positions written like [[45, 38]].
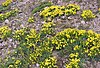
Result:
[[25, 11]]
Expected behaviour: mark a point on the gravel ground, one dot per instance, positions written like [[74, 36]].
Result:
[[26, 6]]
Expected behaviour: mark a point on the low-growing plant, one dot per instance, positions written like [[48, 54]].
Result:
[[40, 7], [87, 15], [5, 32], [54, 11], [8, 14], [6, 3], [49, 63], [71, 9], [31, 19], [38, 47], [80, 42], [3, 8], [19, 34], [74, 63]]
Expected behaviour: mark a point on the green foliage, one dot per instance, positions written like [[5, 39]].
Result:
[[6, 3], [40, 7], [3, 8], [5, 32], [8, 14], [87, 15]]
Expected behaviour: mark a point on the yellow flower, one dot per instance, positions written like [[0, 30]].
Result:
[[17, 62], [76, 47], [73, 55], [10, 66]]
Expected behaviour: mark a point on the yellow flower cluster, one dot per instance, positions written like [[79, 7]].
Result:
[[71, 9], [8, 14], [5, 31], [19, 34], [54, 11], [38, 48], [32, 34], [6, 3], [74, 55], [15, 65], [87, 15], [84, 42], [39, 52], [74, 63], [31, 19], [49, 63], [47, 28]]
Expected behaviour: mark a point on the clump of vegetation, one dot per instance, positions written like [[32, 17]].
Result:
[[8, 14], [31, 19], [3, 8], [87, 15], [80, 42], [54, 11], [6, 3], [40, 7], [49, 63], [36, 47], [5, 32], [71, 9], [19, 34]]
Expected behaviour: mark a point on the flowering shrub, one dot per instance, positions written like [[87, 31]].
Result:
[[8, 14], [5, 32], [87, 15], [6, 3]]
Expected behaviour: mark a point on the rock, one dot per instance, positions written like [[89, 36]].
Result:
[[83, 22], [63, 17], [70, 18], [7, 21], [98, 65], [37, 65]]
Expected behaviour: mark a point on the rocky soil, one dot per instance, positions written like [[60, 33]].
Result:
[[26, 7]]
